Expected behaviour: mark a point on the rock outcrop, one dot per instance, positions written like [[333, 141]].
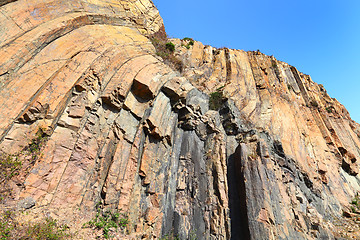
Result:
[[277, 159]]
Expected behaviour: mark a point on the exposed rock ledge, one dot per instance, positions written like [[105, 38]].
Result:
[[278, 160]]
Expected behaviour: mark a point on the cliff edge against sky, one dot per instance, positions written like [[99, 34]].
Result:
[[273, 157]]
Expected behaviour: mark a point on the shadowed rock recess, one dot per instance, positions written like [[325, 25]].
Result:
[[278, 159]]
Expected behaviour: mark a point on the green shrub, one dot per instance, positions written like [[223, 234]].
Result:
[[356, 201], [105, 220], [9, 166], [188, 39], [355, 204], [190, 42], [36, 143], [353, 209], [170, 46], [328, 109], [216, 99]]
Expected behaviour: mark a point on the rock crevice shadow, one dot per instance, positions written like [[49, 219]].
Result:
[[237, 197]]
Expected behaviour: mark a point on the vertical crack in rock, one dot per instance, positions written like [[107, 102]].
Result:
[[228, 65], [237, 196]]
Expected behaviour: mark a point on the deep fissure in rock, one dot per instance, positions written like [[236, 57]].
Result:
[[237, 197]]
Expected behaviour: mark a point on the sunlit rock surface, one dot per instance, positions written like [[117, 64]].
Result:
[[277, 160]]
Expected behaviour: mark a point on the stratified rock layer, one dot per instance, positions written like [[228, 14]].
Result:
[[277, 160]]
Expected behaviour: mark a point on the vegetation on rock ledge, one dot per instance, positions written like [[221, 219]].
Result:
[[328, 109], [216, 99], [166, 49], [107, 220], [355, 204], [190, 42], [36, 143]]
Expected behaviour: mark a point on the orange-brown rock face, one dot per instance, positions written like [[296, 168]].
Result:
[[300, 166], [276, 160]]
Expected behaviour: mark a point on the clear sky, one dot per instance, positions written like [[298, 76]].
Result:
[[320, 38]]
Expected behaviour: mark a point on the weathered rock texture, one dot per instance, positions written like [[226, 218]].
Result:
[[278, 160]]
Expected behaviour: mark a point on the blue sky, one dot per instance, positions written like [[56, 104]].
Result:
[[320, 38]]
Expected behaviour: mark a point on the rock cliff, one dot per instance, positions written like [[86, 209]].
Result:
[[238, 145]]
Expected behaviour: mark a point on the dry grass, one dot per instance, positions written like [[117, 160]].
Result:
[[17, 166], [10, 166], [166, 49], [48, 229]]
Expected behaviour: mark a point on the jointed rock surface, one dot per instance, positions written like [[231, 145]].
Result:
[[277, 160]]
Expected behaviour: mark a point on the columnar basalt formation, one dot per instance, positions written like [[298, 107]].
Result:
[[277, 160]]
